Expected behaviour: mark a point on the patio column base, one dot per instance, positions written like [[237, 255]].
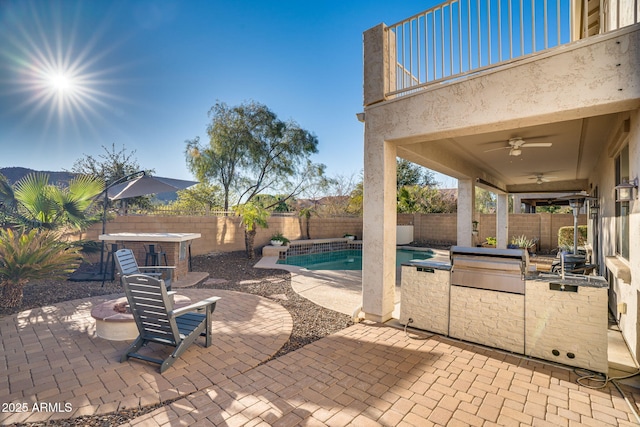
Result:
[[377, 318]]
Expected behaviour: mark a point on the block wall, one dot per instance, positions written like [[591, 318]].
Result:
[[435, 227], [225, 234]]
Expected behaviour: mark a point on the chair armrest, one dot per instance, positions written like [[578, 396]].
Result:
[[169, 269], [204, 303]]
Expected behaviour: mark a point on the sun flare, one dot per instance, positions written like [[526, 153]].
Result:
[[54, 75], [60, 82]]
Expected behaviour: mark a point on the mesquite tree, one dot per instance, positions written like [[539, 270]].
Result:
[[251, 152]]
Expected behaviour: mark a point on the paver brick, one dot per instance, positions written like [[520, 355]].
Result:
[[367, 374], [440, 416]]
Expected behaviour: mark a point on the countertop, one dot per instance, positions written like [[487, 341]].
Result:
[[570, 279], [428, 263], [150, 237]]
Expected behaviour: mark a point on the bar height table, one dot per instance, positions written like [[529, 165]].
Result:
[[176, 245]]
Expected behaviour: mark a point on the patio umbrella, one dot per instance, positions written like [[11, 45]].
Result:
[[141, 186], [147, 184]]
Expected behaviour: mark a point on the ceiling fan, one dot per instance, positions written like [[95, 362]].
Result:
[[540, 178], [517, 144]]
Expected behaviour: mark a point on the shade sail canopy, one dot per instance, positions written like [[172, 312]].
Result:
[[145, 185]]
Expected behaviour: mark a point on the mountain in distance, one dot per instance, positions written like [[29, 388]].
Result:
[[15, 174]]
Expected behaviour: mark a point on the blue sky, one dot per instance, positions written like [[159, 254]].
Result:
[[146, 73]]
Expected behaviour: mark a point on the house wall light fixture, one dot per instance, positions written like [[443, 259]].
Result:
[[627, 191]]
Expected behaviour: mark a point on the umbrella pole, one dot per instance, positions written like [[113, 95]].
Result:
[[103, 269]]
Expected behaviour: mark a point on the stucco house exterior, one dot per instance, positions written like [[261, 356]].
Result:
[[456, 92]]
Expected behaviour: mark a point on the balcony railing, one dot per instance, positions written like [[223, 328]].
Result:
[[460, 37]]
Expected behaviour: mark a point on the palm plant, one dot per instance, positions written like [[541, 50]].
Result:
[[253, 216], [306, 214], [34, 203], [31, 255]]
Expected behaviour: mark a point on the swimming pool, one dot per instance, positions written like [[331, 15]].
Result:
[[348, 259]]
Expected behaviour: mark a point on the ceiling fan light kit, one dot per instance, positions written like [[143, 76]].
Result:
[[516, 144]]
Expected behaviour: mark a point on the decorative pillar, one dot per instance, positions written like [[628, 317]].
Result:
[[517, 204], [502, 221], [379, 229]]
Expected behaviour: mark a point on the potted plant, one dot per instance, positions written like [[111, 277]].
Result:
[[490, 242], [522, 242], [278, 240], [349, 236]]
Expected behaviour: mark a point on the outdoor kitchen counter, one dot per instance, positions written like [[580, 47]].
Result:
[[425, 295], [556, 319], [567, 320]]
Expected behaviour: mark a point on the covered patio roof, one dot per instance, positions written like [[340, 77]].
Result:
[[573, 147]]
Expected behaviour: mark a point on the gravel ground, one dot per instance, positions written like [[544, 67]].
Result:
[[310, 321]]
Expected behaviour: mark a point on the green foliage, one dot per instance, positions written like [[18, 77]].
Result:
[[252, 216], [281, 206], [412, 199], [202, 196], [554, 209], [34, 203], [356, 199], [410, 174], [522, 241], [485, 201], [565, 236], [278, 203], [306, 212], [280, 238], [251, 151], [491, 241], [111, 166], [31, 255]]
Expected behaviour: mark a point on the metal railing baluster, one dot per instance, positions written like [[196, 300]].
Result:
[[427, 48]]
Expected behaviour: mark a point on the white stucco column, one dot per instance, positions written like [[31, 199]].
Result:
[[517, 204], [502, 221], [466, 207], [379, 229]]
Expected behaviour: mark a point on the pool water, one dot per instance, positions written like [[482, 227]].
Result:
[[350, 259]]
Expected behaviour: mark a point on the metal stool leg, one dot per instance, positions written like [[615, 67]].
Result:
[[111, 261]]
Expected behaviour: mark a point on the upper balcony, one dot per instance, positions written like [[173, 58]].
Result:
[[462, 37]]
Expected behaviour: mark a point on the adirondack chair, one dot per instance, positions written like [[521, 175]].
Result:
[[127, 265], [159, 322]]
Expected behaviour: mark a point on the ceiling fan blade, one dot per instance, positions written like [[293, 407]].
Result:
[[496, 149], [537, 144]]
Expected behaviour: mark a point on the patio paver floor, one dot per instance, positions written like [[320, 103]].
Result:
[[366, 375]]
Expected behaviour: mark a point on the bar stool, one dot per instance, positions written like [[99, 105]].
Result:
[[153, 256], [110, 263]]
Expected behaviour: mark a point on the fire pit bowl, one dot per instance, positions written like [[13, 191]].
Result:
[[115, 322]]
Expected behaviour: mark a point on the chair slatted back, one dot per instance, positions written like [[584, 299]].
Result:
[[126, 262], [150, 305]]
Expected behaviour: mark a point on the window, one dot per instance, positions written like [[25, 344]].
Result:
[[622, 208]]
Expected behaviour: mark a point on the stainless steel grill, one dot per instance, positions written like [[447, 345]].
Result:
[[489, 268]]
